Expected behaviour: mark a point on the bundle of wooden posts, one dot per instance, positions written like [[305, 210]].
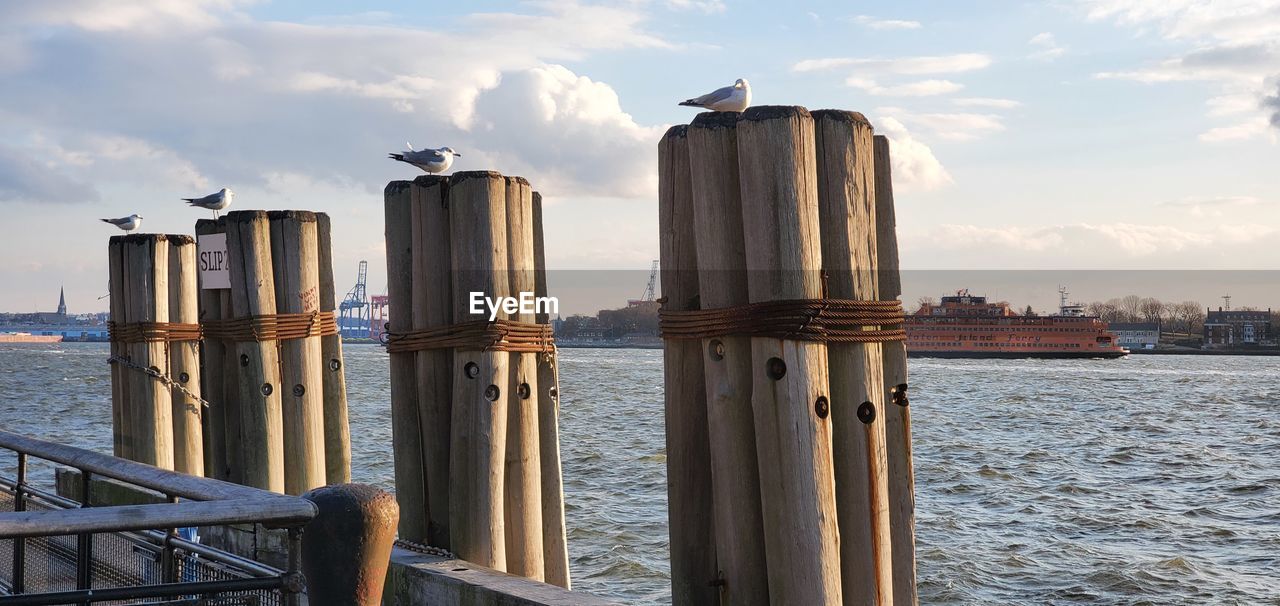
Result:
[[789, 461], [156, 408], [272, 357], [474, 416]]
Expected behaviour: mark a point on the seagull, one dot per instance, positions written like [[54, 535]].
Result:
[[431, 160], [214, 202], [128, 223], [734, 98]]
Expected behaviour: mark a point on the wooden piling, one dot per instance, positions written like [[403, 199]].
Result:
[[790, 392], [722, 282], [151, 405], [554, 545], [121, 424], [689, 498], [406, 436], [232, 411], [213, 357], [522, 494], [253, 294], [295, 269], [846, 200], [184, 358], [337, 431], [477, 221], [432, 307], [901, 477]]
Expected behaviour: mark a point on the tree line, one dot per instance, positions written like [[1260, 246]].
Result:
[[1185, 317]]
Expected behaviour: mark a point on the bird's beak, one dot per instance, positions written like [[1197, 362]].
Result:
[[457, 155]]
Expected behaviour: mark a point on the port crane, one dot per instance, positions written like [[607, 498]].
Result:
[[353, 312], [650, 290]]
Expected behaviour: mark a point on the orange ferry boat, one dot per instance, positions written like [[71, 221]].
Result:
[[967, 326], [26, 337]]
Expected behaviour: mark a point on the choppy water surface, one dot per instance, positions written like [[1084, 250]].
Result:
[[1148, 480]]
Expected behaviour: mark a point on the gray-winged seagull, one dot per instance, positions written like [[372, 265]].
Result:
[[734, 98]]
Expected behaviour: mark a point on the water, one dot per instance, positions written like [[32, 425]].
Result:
[[1148, 480]]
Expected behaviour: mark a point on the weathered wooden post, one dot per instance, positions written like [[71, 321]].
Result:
[[406, 434], [432, 308], [689, 498], [790, 394], [722, 282], [213, 357], [151, 406], [554, 546], [901, 477], [337, 431], [121, 422], [253, 294], [477, 221], [184, 359], [295, 269], [523, 491], [846, 190]]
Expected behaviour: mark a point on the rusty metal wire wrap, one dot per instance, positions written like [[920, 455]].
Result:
[[273, 327], [476, 335], [150, 332], [828, 320]]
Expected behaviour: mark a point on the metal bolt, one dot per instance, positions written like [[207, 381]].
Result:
[[822, 406], [867, 413], [523, 391], [900, 395], [267, 389], [298, 390], [244, 359], [472, 369], [492, 392], [335, 364], [183, 377], [775, 368], [716, 349], [554, 392]]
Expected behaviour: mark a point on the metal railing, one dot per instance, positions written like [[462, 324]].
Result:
[[65, 551]]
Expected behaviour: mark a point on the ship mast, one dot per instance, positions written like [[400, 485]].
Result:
[[1062, 300]]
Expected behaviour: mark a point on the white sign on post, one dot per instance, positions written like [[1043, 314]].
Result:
[[214, 268]]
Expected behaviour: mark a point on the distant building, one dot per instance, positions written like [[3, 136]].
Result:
[[1237, 328], [1136, 335], [57, 317]]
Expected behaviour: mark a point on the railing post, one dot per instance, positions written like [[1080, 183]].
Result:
[[20, 543], [347, 547], [84, 542]]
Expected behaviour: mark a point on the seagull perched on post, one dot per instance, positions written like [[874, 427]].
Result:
[[431, 160], [214, 202], [734, 98], [128, 223]]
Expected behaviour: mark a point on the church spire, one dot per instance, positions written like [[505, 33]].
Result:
[[62, 301]]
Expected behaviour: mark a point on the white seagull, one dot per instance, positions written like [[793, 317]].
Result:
[[431, 160], [128, 223], [214, 202], [734, 98]]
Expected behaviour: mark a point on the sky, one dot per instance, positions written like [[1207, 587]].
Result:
[[1089, 134]]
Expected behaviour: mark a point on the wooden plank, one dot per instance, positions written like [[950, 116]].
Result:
[[901, 477], [406, 436], [152, 405], [296, 271], [337, 430], [213, 357], [184, 358], [846, 208], [416, 579], [522, 495], [121, 433], [554, 538], [689, 507], [433, 306], [477, 222], [793, 437], [253, 294], [722, 282]]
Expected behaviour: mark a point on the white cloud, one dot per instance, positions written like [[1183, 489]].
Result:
[[915, 168], [953, 126], [1046, 46], [1215, 206], [95, 15], [1254, 128], [705, 6], [1079, 245], [882, 24], [987, 102], [922, 88], [939, 64]]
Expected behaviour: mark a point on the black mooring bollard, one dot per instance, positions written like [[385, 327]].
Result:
[[347, 547]]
